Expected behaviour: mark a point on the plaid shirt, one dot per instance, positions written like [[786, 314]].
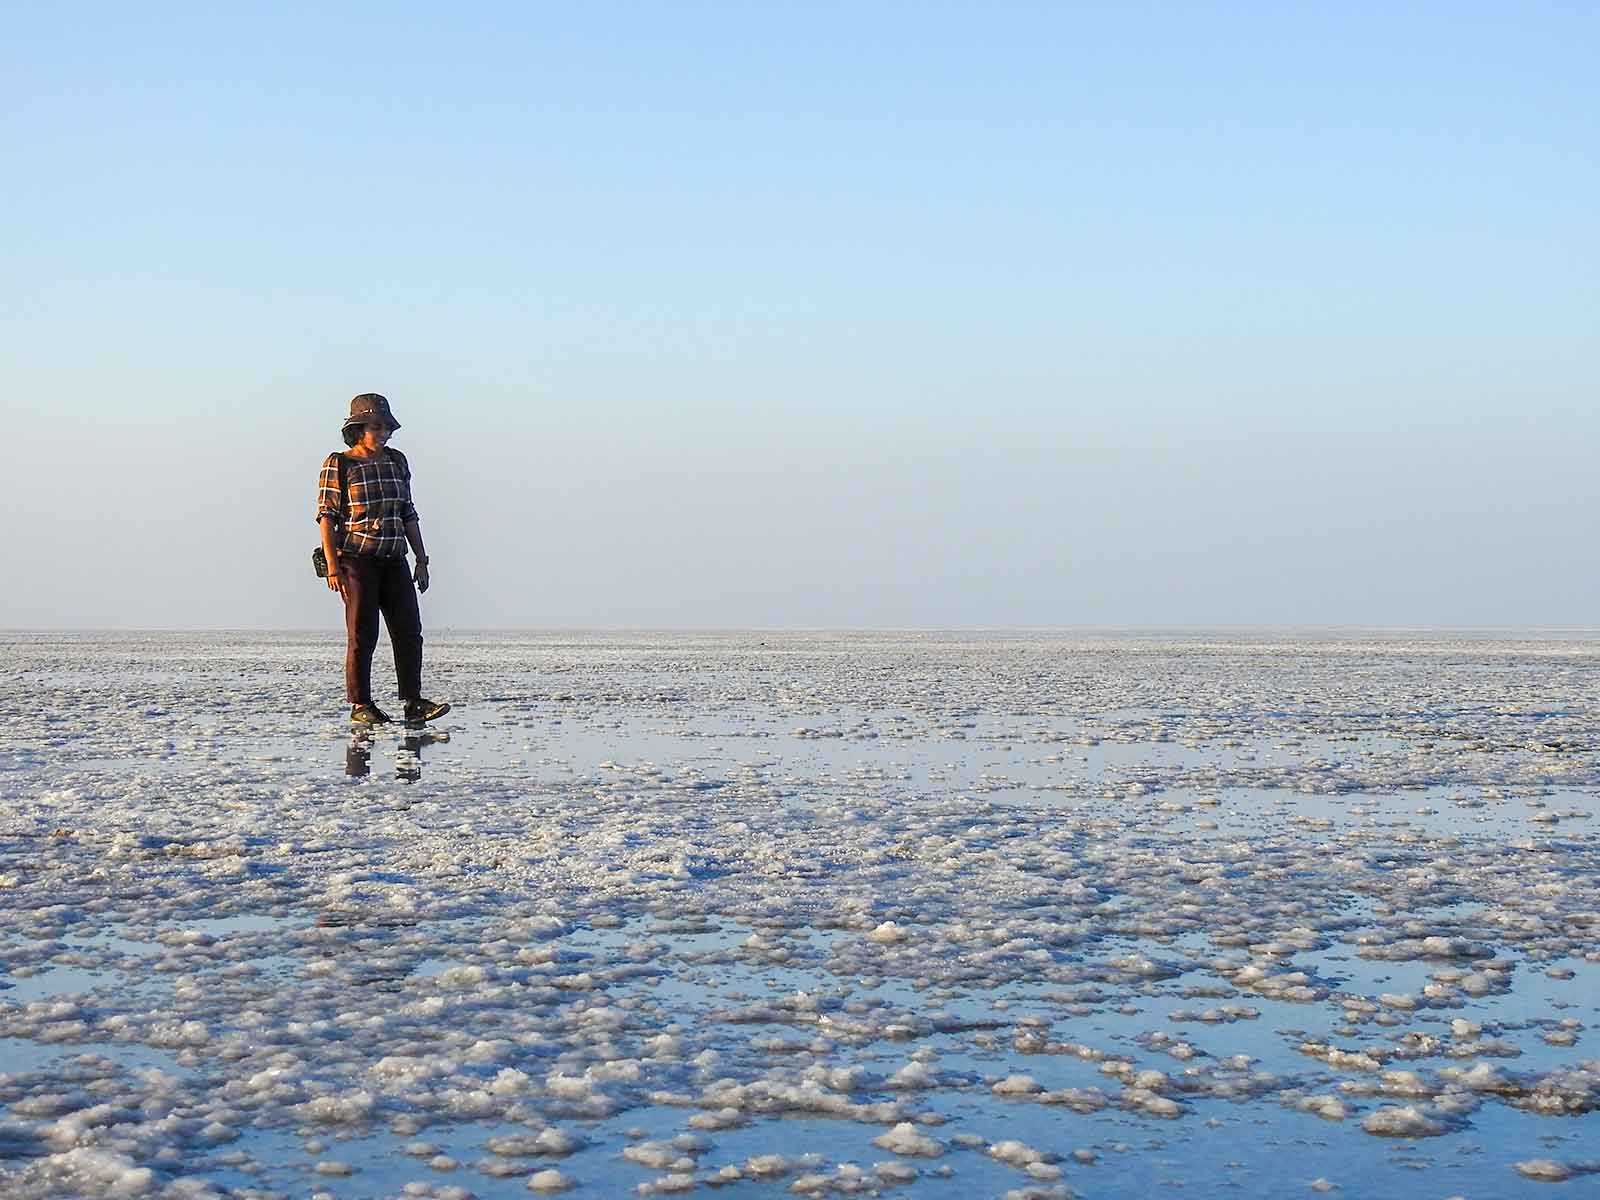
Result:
[[379, 505]]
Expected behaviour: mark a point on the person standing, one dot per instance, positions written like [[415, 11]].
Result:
[[367, 520]]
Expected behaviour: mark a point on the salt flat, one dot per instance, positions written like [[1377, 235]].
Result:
[[1023, 915]]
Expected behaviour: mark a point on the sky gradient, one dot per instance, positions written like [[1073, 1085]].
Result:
[[881, 315]]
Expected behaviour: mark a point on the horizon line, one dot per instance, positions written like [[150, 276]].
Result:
[[1144, 629]]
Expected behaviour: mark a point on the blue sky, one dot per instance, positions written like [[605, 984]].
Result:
[[824, 315]]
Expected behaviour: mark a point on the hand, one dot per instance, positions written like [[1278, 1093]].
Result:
[[421, 576], [335, 581]]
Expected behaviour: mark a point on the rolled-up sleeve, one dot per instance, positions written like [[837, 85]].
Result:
[[329, 502]]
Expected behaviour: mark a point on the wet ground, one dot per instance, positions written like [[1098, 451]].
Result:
[[851, 915]]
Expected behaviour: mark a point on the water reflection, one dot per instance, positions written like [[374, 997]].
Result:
[[358, 755], [407, 755], [408, 759]]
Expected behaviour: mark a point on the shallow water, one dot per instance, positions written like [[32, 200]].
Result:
[[1137, 905]]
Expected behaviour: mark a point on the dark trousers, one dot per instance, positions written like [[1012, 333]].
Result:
[[373, 585]]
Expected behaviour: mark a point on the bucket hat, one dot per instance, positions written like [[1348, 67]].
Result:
[[368, 408]]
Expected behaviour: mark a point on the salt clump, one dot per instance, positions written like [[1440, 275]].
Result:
[[906, 1139], [1403, 1121], [1018, 1154], [1546, 1169]]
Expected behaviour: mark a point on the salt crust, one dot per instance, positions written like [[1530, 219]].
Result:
[[433, 958]]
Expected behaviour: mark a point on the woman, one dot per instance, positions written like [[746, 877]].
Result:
[[364, 509]]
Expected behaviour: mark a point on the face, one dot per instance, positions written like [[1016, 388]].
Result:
[[375, 435]]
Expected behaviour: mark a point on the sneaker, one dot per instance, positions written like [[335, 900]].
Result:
[[368, 714], [420, 712]]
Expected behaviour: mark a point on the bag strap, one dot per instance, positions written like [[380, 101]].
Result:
[[344, 497]]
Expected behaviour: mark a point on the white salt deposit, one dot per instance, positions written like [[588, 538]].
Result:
[[549, 1180], [838, 915], [906, 1139], [1405, 1120], [1546, 1169], [1017, 1153]]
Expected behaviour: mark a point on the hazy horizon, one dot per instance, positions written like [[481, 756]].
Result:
[[1513, 632]]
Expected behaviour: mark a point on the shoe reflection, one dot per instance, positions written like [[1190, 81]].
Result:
[[358, 755]]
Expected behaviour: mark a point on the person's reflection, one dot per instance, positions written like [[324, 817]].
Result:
[[407, 755]]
